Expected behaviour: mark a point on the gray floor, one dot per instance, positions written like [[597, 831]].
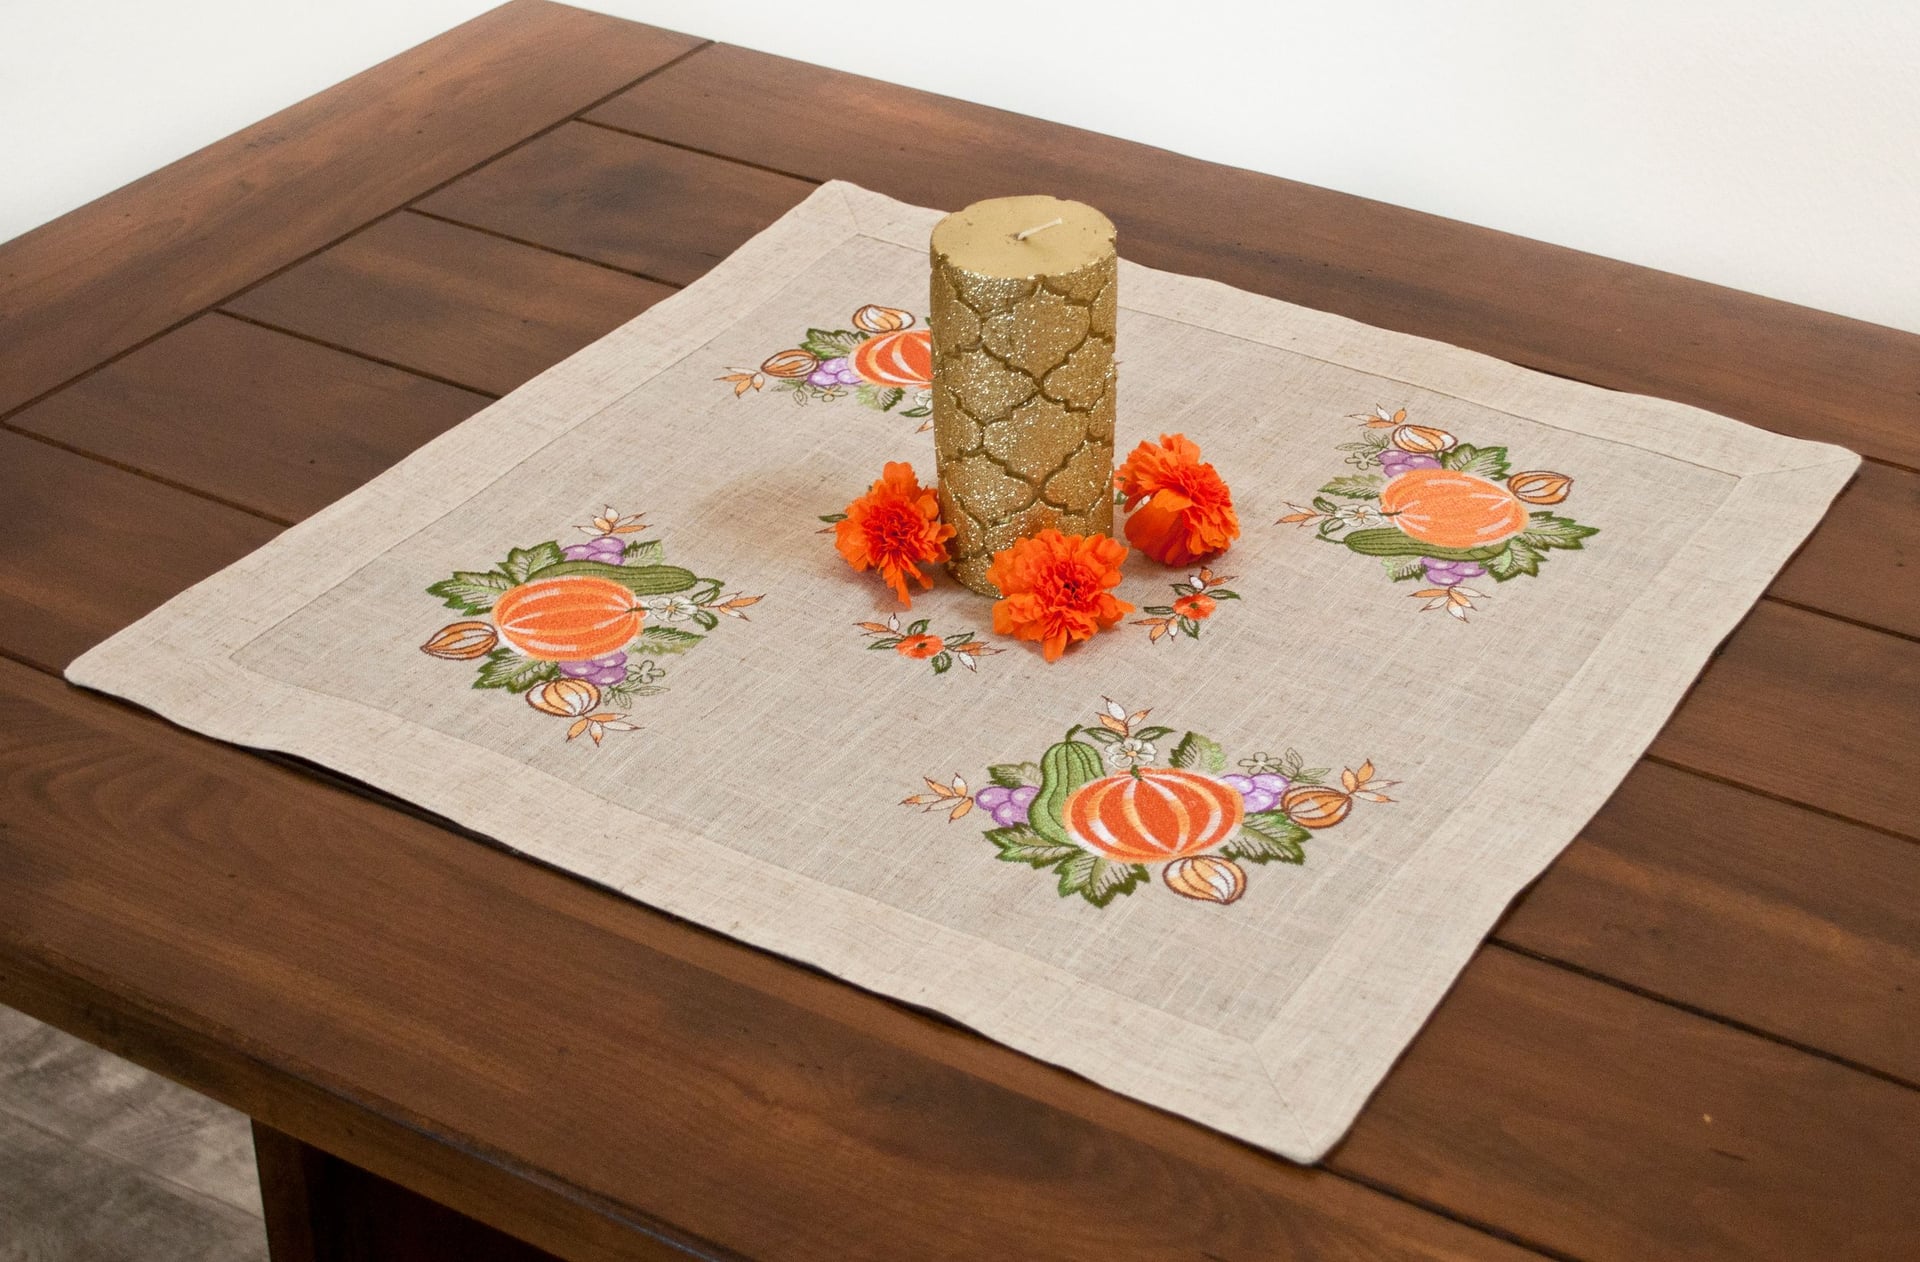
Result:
[[103, 1162]]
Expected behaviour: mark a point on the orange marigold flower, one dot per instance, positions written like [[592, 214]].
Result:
[[1187, 513], [1054, 588], [892, 528], [920, 646], [1195, 606]]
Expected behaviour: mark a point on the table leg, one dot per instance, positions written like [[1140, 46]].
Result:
[[322, 1209]]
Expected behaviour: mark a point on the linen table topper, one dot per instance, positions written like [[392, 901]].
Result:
[[1224, 858]]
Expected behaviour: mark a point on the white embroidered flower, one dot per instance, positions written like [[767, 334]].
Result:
[[920, 397], [1131, 752], [1359, 515], [669, 608]]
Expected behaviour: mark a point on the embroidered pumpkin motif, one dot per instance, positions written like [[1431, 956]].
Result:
[[904, 358], [1099, 812], [568, 619], [578, 630], [1153, 814], [1431, 507], [1452, 510], [882, 362]]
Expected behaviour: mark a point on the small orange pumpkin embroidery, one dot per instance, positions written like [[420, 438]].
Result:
[[1450, 509], [1156, 814], [1540, 486], [791, 364], [568, 619], [1315, 805], [902, 359]]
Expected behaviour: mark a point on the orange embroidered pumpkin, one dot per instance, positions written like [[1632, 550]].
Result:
[[1316, 805], [1449, 509], [904, 358], [1157, 814], [568, 619]]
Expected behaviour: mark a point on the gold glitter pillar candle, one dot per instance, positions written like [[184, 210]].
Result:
[[1022, 317]]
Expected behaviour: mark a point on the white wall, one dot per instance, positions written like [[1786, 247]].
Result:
[[1763, 144]]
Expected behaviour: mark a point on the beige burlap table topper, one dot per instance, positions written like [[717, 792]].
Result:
[[1355, 744]]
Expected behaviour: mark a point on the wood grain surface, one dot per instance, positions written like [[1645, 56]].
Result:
[[1693, 1037]]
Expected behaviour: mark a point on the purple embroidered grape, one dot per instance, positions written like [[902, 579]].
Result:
[[1396, 462], [1451, 573], [1262, 792], [606, 549], [834, 372], [1007, 806], [605, 671]]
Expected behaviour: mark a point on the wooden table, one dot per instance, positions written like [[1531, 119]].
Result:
[[1697, 1035]]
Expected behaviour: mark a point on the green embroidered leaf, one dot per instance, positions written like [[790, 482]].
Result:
[[664, 640], [1021, 844], [1097, 879], [705, 619], [1519, 558], [880, 399], [1548, 531], [646, 552], [1401, 568], [1100, 734], [833, 517], [918, 412], [1015, 775], [919, 626], [620, 694], [942, 663], [1196, 751], [1267, 837], [1221, 593], [1481, 462], [965, 637], [1356, 486], [884, 642], [1391, 541], [832, 343], [522, 562], [1191, 628], [1163, 611], [1324, 504], [505, 668], [1152, 733], [470, 592]]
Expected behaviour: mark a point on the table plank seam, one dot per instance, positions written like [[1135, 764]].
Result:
[[297, 335], [1664, 761], [681, 145], [1864, 625], [545, 249], [170, 483], [256, 282], [1417, 1201], [1759, 1032]]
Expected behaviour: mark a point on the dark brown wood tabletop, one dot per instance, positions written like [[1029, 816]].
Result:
[[1697, 1035]]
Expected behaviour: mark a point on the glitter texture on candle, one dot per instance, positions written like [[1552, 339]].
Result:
[[1023, 395]]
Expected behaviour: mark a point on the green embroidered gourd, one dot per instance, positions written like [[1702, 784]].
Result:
[[1064, 768], [641, 580], [1386, 541]]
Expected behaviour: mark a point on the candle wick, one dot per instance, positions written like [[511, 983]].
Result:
[[1051, 223]]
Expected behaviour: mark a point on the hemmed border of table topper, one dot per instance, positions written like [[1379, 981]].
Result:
[[1300, 1081]]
